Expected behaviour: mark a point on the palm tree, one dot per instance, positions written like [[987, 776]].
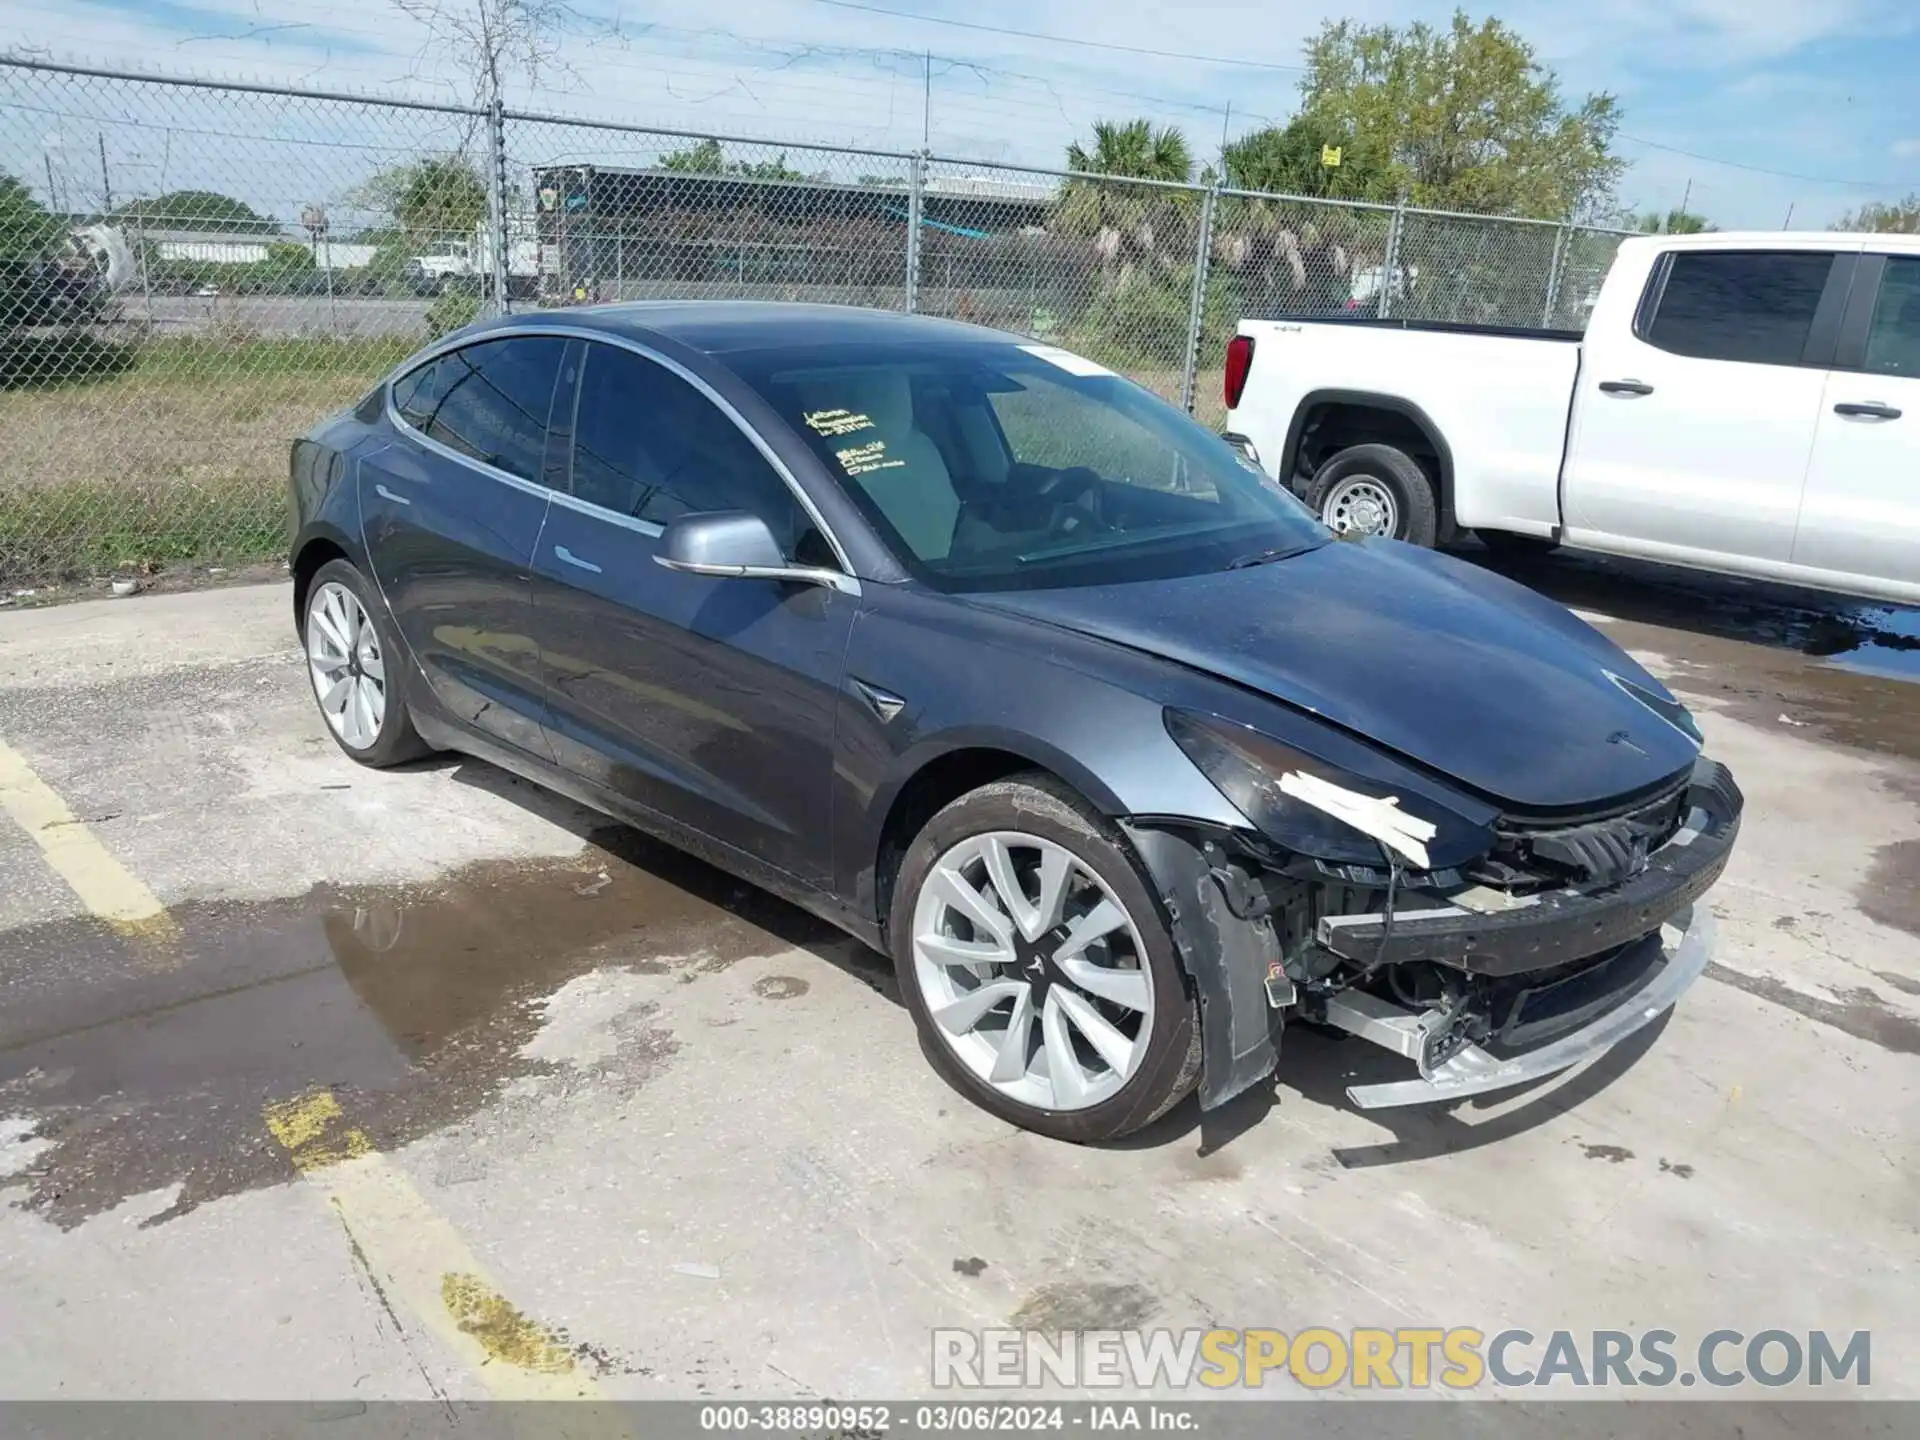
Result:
[[1135, 150], [1131, 226]]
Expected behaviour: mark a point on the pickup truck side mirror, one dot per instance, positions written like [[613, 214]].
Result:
[[733, 544]]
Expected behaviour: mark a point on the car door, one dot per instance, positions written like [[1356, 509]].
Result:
[[451, 510], [1861, 516], [1692, 426], [707, 701]]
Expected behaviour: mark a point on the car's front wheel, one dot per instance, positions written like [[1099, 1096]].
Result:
[[1039, 967], [354, 665]]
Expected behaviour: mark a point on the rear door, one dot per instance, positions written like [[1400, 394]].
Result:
[[707, 701], [1862, 512], [1693, 425], [451, 512]]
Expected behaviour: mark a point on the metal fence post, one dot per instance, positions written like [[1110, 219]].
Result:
[[1562, 239], [916, 187], [497, 200], [1390, 263], [1197, 306]]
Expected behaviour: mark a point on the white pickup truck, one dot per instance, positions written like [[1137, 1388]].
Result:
[[1746, 403]]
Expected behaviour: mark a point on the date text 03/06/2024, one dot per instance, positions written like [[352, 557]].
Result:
[[857, 1422]]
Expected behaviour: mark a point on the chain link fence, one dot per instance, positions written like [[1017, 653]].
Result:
[[192, 273]]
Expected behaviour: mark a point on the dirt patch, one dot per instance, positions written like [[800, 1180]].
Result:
[[1891, 892], [1086, 1306], [1858, 1012]]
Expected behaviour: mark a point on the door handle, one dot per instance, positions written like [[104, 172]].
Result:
[[1625, 387], [567, 557], [386, 494], [1872, 409]]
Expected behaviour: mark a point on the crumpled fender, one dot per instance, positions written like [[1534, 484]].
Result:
[[1227, 958]]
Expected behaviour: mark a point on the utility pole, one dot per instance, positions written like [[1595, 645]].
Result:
[[106, 184], [1686, 195], [926, 107], [53, 191], [1787, 224], [1226, 123]]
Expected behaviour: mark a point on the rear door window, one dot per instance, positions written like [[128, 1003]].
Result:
[[1750, 305], [1893, 339], [487, 401]]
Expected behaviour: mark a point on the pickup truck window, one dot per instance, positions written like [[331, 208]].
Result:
[[1893, 340], [1751, 305]]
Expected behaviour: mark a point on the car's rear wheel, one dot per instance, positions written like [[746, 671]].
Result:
[[1375, 490], [1039, 967], [354, 665]]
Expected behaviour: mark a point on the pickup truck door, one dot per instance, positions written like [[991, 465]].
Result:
[[1692, 425], [1862, 511]]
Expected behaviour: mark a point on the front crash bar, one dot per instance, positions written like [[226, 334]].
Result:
[[1474, 1071]]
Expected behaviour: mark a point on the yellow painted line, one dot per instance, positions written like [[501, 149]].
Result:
[[104, 885], [419, 1260]]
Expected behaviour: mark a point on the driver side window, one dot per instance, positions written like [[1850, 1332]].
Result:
[[650, 446]]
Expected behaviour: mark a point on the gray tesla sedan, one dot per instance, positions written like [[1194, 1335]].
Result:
[[995, 660]]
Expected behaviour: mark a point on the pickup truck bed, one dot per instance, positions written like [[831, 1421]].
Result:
[[1741, 403]]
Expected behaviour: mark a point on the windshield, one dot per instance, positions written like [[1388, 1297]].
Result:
[[999, 466]]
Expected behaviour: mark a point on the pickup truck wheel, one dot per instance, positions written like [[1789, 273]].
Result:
[[1375, 490]]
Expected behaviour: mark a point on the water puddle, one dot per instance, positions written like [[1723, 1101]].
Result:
[[414, 1004]]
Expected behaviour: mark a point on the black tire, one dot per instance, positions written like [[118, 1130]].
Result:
[[1518, 547], [397, 741], [1039, 804], [1416, 506]]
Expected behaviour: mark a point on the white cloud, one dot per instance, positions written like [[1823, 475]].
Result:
[[1905, 149]]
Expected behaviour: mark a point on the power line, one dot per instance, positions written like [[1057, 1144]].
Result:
[[1760, 169], [1064, 39]]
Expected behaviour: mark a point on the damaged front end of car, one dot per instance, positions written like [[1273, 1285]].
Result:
[[1487, 946]]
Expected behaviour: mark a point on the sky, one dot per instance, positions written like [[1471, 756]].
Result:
[[1757, 113]]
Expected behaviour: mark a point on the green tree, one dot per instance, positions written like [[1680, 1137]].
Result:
[[1461, 117], [428, 201], [703, 158], [1901, 217], [1674, 222], [1290, 160], [27, 230], [1134, 149], [197, 210]]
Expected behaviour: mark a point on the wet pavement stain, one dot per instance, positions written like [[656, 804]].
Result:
[[971, 1267], [1086, 1306], [1891, 891], [780, 987], [407, 1007], [1680, 1171], [1858, 1012], [1905, 984], [1612, 1154]]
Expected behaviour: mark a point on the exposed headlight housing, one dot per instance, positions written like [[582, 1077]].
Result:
[[1314, 809]]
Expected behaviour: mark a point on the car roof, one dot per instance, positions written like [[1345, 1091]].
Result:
[[719, 327], [1785, 240]]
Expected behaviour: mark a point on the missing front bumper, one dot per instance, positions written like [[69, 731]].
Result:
[[1687, 943]]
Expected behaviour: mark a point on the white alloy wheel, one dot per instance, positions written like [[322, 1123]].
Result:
[[349, 673], [1032, 970], [1363, 505]]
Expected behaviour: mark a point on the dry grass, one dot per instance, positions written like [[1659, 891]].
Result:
[[180, 459]]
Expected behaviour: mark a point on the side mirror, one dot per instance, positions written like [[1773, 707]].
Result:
[[734, 544]]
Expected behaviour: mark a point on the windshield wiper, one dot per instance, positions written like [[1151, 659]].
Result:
[[1263, 557]]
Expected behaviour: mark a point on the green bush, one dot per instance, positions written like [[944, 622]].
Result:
[[450, 312]]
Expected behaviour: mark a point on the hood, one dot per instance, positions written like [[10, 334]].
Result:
[[1447, 664]]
